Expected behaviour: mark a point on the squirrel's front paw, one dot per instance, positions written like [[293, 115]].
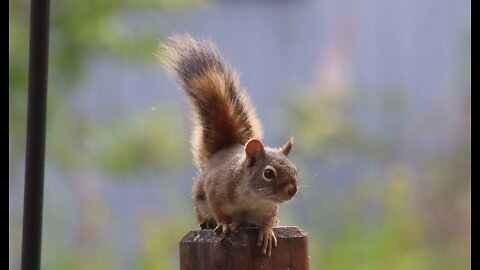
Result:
[[266, 240], [225, 228]]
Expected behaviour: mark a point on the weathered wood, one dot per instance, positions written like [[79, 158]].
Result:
[[205, 250]]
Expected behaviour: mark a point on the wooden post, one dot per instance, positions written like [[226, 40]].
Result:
[[205, 250]]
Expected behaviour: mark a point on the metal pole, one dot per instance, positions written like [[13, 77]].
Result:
[[35, 144]]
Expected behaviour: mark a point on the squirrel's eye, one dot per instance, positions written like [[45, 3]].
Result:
[[269, 173]]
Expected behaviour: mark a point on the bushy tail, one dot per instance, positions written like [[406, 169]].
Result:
[[222, 114]]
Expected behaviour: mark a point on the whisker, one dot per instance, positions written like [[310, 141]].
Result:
[[298, 197]]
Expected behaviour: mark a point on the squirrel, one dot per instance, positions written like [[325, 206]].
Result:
[[240, 182]]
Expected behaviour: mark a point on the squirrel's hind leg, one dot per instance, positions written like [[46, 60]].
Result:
[[224, 221], [202, 210]]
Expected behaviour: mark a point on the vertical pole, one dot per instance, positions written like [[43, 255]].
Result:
[[35, 143]]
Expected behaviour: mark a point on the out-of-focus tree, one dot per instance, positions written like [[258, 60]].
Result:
[[414, 211], [80, 146], [79, 30]]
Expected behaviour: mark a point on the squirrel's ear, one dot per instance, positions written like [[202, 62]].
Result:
[[287, 147], [253, 147]]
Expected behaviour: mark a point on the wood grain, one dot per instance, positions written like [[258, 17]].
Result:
[[205, 250]]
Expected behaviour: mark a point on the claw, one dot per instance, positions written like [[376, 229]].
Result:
[[221, 228], [208, 224], [260, 239], [225, 228]]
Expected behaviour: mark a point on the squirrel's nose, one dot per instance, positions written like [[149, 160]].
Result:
[[292, 190]]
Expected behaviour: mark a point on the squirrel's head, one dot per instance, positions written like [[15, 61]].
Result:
[[271, 174]]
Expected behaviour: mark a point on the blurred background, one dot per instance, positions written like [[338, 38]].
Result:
[[376, 94]]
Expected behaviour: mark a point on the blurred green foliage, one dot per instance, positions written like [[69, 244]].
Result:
[[78, 31], [120, 148], [77, 144], [156, 251], [424, 216], [423, 221]]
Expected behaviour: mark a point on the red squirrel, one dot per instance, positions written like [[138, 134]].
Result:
[[240, 181]]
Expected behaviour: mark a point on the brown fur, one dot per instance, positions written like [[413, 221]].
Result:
[[222, 114], [231, 188]]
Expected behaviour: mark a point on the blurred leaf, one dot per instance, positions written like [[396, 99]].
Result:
[[78, 31], [152, 141], [159, 244]]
